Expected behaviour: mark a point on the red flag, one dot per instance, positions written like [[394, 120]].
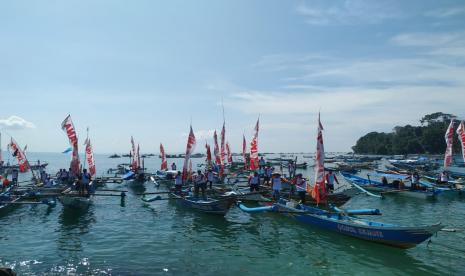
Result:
[[461, 134], [20, 156], [319, 165], [164, 163], [244, 150], [228, 152], [223, 140], [209, 152], [90, 158], [189, 149], [216, 149], [449, 141], [254, 148], [68, 127]]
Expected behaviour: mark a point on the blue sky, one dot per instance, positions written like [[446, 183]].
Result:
[[147, 68]]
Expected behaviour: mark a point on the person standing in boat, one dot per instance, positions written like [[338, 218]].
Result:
[[415, 179], [210, 177], [86, 179], [254, 182], [173, 166], [200, 184], [444, 177], [291, 168], [267, 176], [276, 185], [14, 177], [330, 179], [301, 185], [261, 162], [178, 183]]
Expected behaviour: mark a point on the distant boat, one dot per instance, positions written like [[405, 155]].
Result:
[[114, 156]]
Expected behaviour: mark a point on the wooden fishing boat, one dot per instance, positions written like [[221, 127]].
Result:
[[8, 200], [350, 225], [208, 205], [376, 186], [74, 199]]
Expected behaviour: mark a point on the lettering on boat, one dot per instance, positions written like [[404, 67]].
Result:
[[360, 231]]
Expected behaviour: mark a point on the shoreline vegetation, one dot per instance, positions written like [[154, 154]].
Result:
[[427, 138]]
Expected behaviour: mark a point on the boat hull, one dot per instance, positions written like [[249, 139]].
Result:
[[75, 201], [209, 206], [397, 236]]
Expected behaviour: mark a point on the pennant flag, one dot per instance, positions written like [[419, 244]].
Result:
[[223, 140], [20, 156], [164, 163], [189, 150], [216, 150], [90, 158], [254, 149], [68, 127], [461, 134], [319, 166], [449, 141], [1, 157], [229, 154], [209, 152], [68, 150], [244, 150]]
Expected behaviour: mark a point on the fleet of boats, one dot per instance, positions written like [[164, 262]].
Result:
[[230, 186]]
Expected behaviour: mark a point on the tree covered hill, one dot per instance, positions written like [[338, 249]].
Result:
[[426, 138]]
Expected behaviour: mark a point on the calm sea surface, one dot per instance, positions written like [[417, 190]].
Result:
[[159, 238]]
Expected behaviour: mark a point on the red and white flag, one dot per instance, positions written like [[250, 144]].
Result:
[[223, 146], [20, 156], [68, 127], [449, 141], [164, 163], [319, 166], [228, 152], [216, 149], [244, 151], [189, 150], [90, 158], [461, 134], [209, 152], [254, 148]]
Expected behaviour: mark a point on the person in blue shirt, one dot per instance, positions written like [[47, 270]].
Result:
[[254, 182]]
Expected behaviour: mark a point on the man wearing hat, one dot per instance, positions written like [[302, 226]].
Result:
[[276, 185]]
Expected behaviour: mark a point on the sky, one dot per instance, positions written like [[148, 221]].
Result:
[[150, 68]]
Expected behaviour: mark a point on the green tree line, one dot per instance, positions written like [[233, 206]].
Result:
[[426, 138]]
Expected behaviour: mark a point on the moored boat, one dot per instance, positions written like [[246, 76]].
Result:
[[385, 189], [339, 222], [208, 205]]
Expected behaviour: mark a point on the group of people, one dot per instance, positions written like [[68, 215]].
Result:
[[200, 180], [81, 181], [297, 183]]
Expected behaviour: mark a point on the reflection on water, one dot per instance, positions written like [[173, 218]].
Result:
[[74, 223]]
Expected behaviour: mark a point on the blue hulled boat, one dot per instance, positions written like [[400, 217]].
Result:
[[350, 225], [377, 186]]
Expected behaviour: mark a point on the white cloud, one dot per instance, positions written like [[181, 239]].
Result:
[[15, 122], [428, 39], [446, 12], [348, 12]]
